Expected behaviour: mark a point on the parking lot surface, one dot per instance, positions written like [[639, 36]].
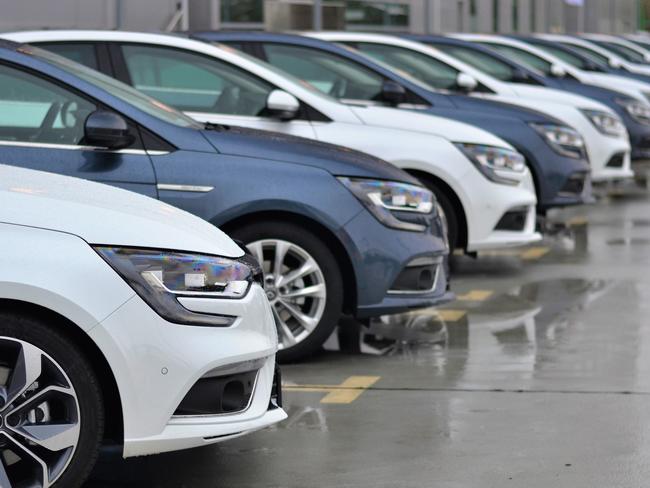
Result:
[[537, 376]]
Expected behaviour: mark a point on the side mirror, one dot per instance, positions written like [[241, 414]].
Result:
[[466, 82], [107, 129], [392, 92], [520, 76], [615, 63], [558, 71], [282, 105]]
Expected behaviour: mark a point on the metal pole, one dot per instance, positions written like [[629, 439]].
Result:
[[185, 19], [118, 14], [318, 15]]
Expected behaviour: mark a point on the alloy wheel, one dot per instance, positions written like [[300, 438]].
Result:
[[39, 416], [295, 286]]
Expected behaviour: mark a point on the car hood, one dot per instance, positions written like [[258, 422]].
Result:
[[500, 110], [102, 214], [427, 123], [629, 86], [337, 160], [546, 95]]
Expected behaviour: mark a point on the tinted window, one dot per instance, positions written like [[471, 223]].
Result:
[[564, 55], [418, 65], [116, 88], [80, 53], [327, 72], [479, 60], [36, 110], [623, 51], [522, 56], [193, 82], [589, 53]]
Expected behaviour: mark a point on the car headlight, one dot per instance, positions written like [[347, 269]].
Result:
[[161, 277], [637, 110], [387, 199], [564, 140], [498, 164], [607, 124]]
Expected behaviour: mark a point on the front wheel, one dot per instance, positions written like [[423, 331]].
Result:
[[51, 410], [302, 281]]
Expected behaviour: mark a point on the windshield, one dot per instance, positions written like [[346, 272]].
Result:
[[589, 53], [418, 65], [564, 55], [479, 60], [285, 73], [625, 52], [116, 88], [532, 61]]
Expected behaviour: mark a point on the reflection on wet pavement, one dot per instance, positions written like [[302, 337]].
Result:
[[537, 376]]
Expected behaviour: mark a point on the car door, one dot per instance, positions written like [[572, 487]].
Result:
[[205, 88], [42, 127]]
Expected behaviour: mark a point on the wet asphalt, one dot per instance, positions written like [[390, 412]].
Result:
[[537, 376]]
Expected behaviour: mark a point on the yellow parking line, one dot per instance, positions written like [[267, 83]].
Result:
[[577, 222], [534, 253], [356, 386], [346, 392], [475, 295]]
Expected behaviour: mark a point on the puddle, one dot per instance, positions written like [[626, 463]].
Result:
[[524, 315], [629, 241]]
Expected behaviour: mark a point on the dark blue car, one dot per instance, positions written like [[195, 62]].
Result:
[[337, 231], [561, 174]]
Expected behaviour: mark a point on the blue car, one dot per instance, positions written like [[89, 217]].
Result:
[[561, 174], [337, 232]]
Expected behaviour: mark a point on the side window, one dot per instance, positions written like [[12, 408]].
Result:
[[85, 54], [420, 66], [327, 72], [33, 109], [193, 82], [481, 61], [529, 59]]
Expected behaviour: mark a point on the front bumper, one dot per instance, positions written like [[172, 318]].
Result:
[[492, 202], [380, 254], [156, 364], [610, 157]]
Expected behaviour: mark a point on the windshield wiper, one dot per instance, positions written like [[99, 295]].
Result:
[[216, 127]]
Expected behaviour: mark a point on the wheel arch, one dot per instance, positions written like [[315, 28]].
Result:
[[333, 242], [114, 423], [429, 179]]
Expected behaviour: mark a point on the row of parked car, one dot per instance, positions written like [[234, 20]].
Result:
[[346, 167]]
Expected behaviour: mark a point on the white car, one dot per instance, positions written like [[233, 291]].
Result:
[[228, 87], [122, 318], [439, 70], [631, 57], [545, 60], [598, 53]]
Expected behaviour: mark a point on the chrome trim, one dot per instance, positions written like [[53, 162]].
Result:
[[77, 147], [185, 188]]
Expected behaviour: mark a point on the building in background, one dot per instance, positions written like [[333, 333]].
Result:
[[504, 16]]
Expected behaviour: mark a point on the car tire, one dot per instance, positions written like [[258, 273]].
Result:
[[298, 245], [77, 403], [449, 214]]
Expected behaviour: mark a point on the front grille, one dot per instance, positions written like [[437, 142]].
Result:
[[643, 143], [513, 220], [575, 185], [219, 395], [616, 161]]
